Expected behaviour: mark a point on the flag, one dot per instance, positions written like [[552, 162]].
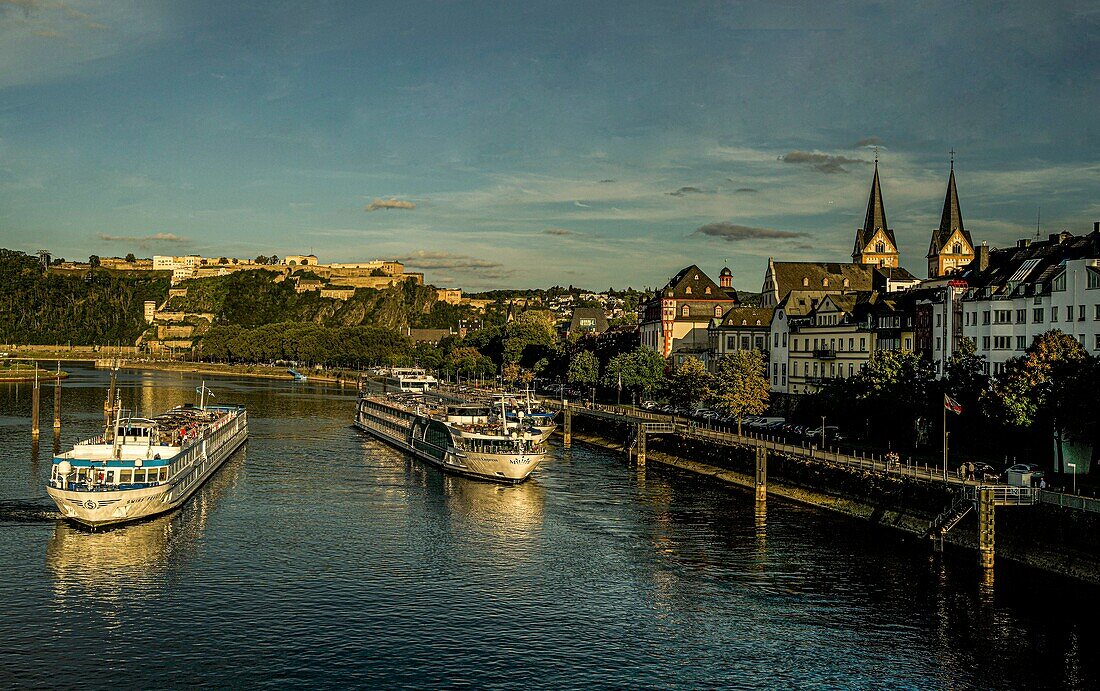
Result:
[[952, 405], [208, 392]]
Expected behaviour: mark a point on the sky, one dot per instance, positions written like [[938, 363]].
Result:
[[528, 144]]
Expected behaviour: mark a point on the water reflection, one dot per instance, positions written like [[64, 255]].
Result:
[[107, 566]]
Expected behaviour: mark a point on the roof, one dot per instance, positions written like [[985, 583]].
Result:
[[895, 273], [595, 314], [951, 219], [748, 316], [692, 284], [844, 303], [790, 276], [875, 219], [1030, 263], [799, 303]]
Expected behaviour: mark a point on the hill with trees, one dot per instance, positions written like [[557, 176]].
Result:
[[99, 306]]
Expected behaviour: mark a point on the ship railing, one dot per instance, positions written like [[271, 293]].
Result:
[[92, 441]]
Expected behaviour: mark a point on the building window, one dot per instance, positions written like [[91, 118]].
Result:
[[849, 369], [684, 310], [985, 317], [1053, 314], [1096, 346], [744, 343], [1069, 313], [785, 337], [939, 343], [776, 339], [957, 248], [1021, 342], [851, 344], [908, 343], [937, 320], [1080, 313], [707, 291], [718, 310], [880, 247], [985, 342], [805, 282], [1037, 314], [863, 344], [1021, 316], [760, 342], [688, 290], [825, 283], [1096, 312], [846, 283]]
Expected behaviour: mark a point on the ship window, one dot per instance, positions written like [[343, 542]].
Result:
[[110, 477], [163, 474], [81, 474], [139, 476], [125, 477]]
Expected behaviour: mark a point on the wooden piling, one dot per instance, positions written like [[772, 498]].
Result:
[[761, 474], [567, 428], [35, 396], [985, 527], [57, 400], [641, 444]]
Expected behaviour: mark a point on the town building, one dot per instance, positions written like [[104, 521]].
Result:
[[676, 319], [835, 340], [741, 328], [823, 277], [1015, 294], [588, 320]]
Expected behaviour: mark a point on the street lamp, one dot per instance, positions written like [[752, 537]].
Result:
[[1074, 466], [823, 432]]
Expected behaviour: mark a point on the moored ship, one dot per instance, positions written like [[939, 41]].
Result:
[[461, 438], [141, 467]]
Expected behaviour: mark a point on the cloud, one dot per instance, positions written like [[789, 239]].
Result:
[[822, 163], [583, 206], [745, 190], [146, 241], [558, 231], [683, 191], [731, 232], [471, 268], [606, 181], [379, 204], [869, 141]]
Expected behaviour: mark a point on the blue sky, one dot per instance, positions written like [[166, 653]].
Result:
[[521, 144]]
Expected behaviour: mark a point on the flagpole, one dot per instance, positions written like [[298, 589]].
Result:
[[945, 438]]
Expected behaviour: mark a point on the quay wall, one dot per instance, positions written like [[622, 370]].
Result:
[[1053, 538]]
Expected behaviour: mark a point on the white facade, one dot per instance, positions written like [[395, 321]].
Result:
[[778, 361], [1004, 327]]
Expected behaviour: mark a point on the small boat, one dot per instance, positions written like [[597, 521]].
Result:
[[298, 376], [140, 467], [460, 438]]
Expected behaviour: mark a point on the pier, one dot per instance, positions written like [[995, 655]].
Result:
[[971, 495]]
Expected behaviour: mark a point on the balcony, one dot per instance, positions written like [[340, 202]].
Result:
[[825, 353]]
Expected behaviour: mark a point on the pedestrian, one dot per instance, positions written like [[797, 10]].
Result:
[[1043, 483], [969, 470]]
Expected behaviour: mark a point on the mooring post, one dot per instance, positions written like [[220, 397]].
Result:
[[57, 400], [985, 527], [641, 443], [761, 474], [35, 395], [567, 427]]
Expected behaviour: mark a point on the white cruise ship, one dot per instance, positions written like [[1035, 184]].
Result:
[[142, 467], [464, 439]]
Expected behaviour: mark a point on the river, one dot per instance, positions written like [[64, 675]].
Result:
[[319, 557]]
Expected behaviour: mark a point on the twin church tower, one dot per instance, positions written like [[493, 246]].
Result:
[[950, 249]]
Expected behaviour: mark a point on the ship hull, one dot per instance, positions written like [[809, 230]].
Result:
[[494, 467], [113, 507]]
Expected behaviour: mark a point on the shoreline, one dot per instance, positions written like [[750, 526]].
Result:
[[1063, 562], [44, 376], [219, 369]]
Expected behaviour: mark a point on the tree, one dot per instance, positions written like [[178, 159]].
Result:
[[131, 258], [93, 261], [528, 337], [584, 369], [690, 384], [641, 371], [1021, 394], [741, 384], [223, 260], [261, 259]]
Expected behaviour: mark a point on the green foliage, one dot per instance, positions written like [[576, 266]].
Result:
[[741, 384], [1025, 390], [690, 384], [584, 368], [346, 346], [98, 308], [642, 371], [528, 337]]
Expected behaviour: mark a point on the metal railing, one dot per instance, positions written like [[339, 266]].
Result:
[[1006, 495]]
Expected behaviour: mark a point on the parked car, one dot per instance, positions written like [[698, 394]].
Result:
[[984, 471], [1032, 468], [650, 405]]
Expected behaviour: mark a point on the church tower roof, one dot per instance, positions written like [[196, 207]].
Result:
[[951, 219], [875, 219]]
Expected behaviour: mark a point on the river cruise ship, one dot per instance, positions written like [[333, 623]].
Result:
[[408, 380], [468, 439], [141, 467]]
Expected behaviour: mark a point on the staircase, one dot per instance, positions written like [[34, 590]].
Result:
[[950, 517]]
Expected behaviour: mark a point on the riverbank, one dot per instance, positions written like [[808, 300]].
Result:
[[28, 374], [1043, 537], [228, 370]]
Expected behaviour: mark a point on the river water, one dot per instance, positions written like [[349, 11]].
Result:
[[319, 557]]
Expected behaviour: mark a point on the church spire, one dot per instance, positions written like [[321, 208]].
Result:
[[952, 219], [876, 211], [875, 243], [951, 247]]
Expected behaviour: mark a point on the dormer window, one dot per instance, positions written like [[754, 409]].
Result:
[[805, 283], [688, 290], [684, 310], [824, 283], [696, 277], [847, 283], [708, 290], [718, 310]]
